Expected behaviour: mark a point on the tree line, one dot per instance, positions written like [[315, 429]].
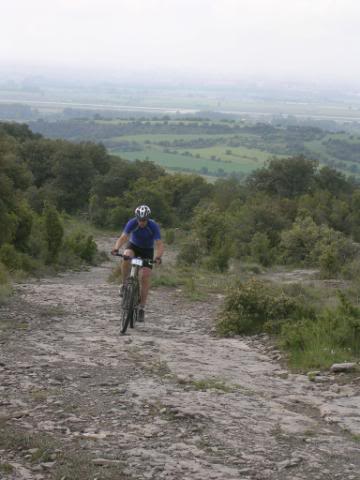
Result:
[[289, 212]]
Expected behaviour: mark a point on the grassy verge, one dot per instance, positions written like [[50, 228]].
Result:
[[5, 292], [69, 462], [312, 328]]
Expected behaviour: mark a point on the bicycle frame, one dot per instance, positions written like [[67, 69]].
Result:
[[131, 296]]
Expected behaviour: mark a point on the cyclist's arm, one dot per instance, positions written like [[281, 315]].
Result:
[[159, 248], [120, 241]]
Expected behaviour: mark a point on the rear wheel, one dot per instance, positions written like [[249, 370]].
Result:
[[128, 305]]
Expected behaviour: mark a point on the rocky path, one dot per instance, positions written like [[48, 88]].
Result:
[[168, 401]]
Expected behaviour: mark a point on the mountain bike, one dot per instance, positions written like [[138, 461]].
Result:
[[131, 292]]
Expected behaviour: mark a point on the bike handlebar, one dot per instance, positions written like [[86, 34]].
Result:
[[118, 254], [126, 257]]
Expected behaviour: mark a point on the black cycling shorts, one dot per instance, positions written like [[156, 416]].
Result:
[[144, 253]]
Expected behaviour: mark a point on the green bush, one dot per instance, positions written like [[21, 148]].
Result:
[[211, 226], [79, 245], [3, 274], [329, 262], [308, 244], [17, 261], [37, 243], [117, 217], [9, 222], [332, 336], [190, 252], [261, 250], [255, 306], [54, 232], [298, 243], [10, 257], [24, 224], [166, 276], [218, 261], [351, 270], [169, 236]]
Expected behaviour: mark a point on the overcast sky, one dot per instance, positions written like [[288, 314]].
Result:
[[282, 39]]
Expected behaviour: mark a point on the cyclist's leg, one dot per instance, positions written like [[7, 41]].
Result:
[[145, 275], [126, 265]]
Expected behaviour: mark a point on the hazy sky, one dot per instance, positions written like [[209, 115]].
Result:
[[290, 39]]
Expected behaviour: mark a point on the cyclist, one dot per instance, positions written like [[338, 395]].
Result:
[[141, 235]]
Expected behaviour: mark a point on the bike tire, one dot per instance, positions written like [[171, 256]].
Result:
[[134, 316], [127, 305]]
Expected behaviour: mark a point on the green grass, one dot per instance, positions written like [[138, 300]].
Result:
[[205, 384], [179, 162], [166, 276], [6, 468], [71, 461], [239, 159], [172, 160], [5, 293], [255, 149]]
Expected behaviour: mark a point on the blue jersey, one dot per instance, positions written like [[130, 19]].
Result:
[[143, 237]]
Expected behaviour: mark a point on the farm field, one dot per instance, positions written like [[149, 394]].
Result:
[[204, 153], [210, 146], [233, 148], [229, 164]]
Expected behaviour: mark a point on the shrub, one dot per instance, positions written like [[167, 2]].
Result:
[[218, 261], [37, 244], [254, 306], [261, 250], [298, 243], [3, 274], [351, 270], [117, 217], [24, 224], [5, 288], [10, 257], [190, 252], [329, 262], [80, 245], [54, 233], [16, 261], [318, 245], [332, 336], [169, 236]]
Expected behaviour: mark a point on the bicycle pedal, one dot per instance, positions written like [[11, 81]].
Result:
[[141, 315]]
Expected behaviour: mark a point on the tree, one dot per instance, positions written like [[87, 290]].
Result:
[[288, 177], [98, 156], [54, 233], [259, 214], [333, 181], [226, 190], [23, 225], [184, 192], [121, 175], [38, 155], [74, 172]]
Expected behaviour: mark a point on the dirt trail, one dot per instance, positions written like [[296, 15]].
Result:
[[167, 401]]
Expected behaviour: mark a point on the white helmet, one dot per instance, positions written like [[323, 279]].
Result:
[[142, 212]]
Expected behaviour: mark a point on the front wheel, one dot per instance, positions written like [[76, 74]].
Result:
[[127, 306], [134, 316]]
